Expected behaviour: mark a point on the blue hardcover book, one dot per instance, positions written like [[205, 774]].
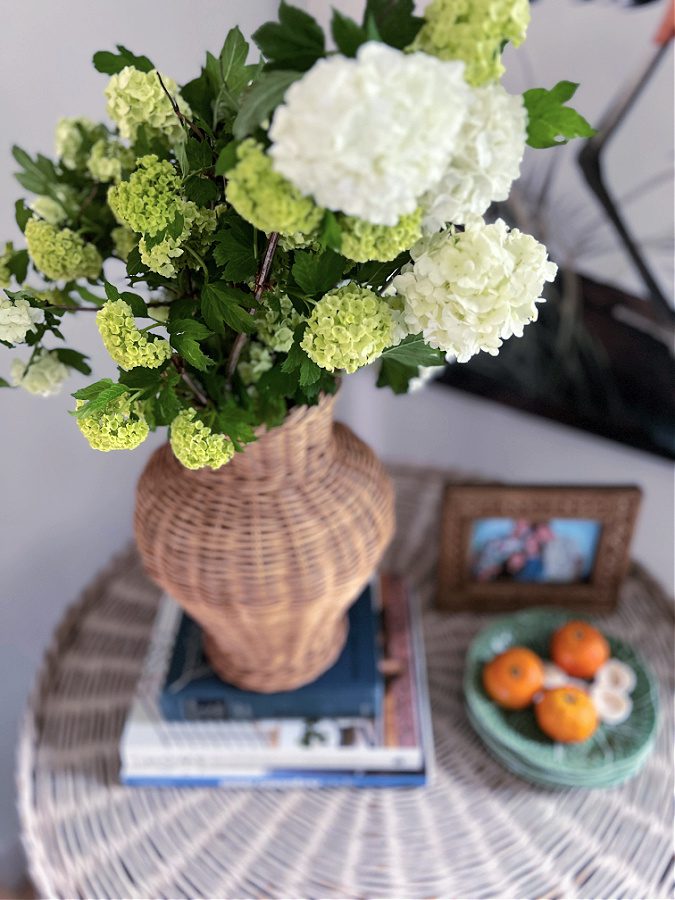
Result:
[[353, 686]]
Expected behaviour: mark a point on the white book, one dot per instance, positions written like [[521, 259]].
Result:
[[395, 742]]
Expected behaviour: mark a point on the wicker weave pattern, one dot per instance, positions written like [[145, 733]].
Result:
[[476, 831], [268, 552]]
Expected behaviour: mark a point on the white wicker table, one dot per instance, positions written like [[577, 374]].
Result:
[[476, 831]]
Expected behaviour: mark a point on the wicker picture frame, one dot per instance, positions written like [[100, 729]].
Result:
[[614, 508]]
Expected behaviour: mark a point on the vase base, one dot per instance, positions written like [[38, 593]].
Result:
[[276, 674]]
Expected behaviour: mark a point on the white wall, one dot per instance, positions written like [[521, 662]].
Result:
[[65, 509]]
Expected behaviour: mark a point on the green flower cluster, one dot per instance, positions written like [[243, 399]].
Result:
[[151, 199], [124, 240], [109, 161], [61, 254], [121, 427], [73, 140], [5, 274], [362, 241], [474, 31], [276, 323], [137, 99], [257, 360], [266, 199], [195, 445], [349, 327], [198, 224], [127, 345]]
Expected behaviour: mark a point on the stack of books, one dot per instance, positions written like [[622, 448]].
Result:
[[364, 723]]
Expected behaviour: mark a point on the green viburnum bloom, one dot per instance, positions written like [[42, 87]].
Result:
[[195, 445], [362, 241], [121, 427], [109, 160], [257, 360], [266, 199], [73, 139], [124, 240], [151, 198], [127, 345], [275, 327], [5, 256], [474, 31], [42, 377], [349, 327], [61, 254], [136, 98], [198, 226]]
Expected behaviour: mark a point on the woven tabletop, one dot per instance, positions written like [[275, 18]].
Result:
[[475, 831]]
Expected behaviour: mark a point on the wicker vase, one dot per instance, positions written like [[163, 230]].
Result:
[[268, 552]]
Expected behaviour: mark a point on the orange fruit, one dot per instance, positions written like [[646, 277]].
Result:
[[567, 715], [579, 649], [514, 677]]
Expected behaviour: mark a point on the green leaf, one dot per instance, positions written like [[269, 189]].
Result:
[[168, 405], [18, 265], [395, 21], [235, 423], [38, 175], [4, 383], [191, 352], [189, 327], [317, 273], [227, 158], [87, 295], [141, 379], [73, 360], [224, 305], [396, 375], [197, 93], [237, 259], [330, 235], [199, 155], [134, 262], [412, 351], [137, 304], [298, 361], [201, 191], [98, 396], [376, 274], [112, 63], [260, 101], [295, 41], [22, 214], [233, 56], [550, 122], [347, 34]]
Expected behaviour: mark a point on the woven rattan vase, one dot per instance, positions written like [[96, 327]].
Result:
[[268, 552]]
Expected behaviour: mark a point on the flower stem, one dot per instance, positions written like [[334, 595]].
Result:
[[260, 284]]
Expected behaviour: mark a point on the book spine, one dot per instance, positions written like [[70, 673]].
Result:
[[274, 781], [334, 706]]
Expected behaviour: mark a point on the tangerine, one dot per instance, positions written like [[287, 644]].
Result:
[[513, 677], [579, 649], [567, 715]]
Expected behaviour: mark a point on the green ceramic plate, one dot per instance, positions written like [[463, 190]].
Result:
[[612, 752], [556, 779]]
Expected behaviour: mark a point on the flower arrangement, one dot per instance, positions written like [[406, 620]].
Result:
[[282, 221]]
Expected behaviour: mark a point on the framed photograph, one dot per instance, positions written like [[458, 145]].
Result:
[[509, 546]]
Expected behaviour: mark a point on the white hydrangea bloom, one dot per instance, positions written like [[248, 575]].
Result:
[[17, 318], [368, 136], [43, 377], [469, 291], [68, 138], [490, 148]]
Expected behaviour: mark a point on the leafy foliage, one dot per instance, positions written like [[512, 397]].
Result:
[[394, 20], [550, 122], [112, 63], [295, 42]]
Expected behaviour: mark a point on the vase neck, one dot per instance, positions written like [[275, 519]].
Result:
[[300, 447]]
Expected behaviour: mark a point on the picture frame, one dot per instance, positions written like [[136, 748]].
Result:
[[573, 541]]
